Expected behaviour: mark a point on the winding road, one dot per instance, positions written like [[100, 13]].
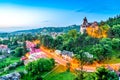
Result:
[[75, 63]]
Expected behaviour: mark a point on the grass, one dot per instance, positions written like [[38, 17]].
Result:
[[63, 76], [56, 70], [18, 69], [7, 61], [10, 60], [115, 57]]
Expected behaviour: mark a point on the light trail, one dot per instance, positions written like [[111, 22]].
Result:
[[74, 63]]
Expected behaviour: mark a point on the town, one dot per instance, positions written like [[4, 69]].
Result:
[[73, 56], [59, 40]]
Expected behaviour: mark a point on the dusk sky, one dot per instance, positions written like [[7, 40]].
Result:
[[28, 14]]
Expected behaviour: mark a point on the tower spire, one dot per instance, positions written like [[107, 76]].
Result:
[[84, 25]]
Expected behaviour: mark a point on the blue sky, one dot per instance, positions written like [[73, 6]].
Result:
[[28, 14]]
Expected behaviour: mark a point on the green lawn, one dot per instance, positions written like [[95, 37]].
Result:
[[12, 59], [115, 57], [7, 62], [63, 76], [18, 69], [56, 70]]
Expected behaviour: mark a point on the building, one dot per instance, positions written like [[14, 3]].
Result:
[[4, 49], [85, 24]]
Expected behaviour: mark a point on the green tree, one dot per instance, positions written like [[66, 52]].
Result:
[[36, 68], [105, 74], [107, 41], [48, 41], [38, 46], [58, 42], [101, 52], [83, 60], [0, 53], [72, 33], [115, 31], [19, 52], [116, 43]]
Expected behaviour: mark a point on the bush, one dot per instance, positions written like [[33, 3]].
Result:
[[0, 53], [19, 52], [37, 68]]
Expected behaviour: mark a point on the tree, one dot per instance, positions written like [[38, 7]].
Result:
[[19, 52], [101, 51], [24, 48], [115, 31], [83, 60], [38, 46], [15, 42], [72, 33], [116, 43], [58, 42], [0, 52], [106, 41], [36, 68], [97, 50], [69, 45], [47, 41], [105, 74]]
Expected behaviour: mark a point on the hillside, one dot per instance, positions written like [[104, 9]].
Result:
[[42, 30]]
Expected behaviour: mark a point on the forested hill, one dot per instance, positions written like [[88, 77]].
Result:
[[43, 30], [50, 29], [113, 21]]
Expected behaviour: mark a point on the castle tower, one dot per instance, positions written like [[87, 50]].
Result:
[[84, 25]]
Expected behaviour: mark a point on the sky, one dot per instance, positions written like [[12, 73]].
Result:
[[30, 14]]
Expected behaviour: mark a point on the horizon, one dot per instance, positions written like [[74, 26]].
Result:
[[32, 14]]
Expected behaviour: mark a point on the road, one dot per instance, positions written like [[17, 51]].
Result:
[[75, 63]]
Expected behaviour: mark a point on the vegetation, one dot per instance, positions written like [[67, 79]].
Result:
[[63, 76], [103, 49], [8, 61], [105, 74], [18, 52], [37, 68]]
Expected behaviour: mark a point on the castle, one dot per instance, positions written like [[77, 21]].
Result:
[[85, 24]]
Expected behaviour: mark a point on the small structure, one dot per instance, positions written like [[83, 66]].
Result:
[[88, 54], [11, 76], [58, 52], [4, 49], [33, 57], [2, 57], [30, 45], [67, 53]]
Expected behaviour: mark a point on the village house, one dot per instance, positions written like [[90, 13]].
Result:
[[4, 49]]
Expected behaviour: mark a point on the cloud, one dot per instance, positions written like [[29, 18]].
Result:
[[104, 9], [45, 21], [17, 16]]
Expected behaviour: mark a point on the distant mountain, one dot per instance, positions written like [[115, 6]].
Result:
[[43, 30], [48, 29]]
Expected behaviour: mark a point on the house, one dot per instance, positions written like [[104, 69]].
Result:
[[67, 53], [88, 54], [4, 49], [58, 52]]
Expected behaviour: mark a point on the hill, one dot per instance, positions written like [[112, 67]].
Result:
[[43, 30]]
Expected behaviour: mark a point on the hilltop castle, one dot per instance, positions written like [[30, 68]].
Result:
[[85, 24]]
